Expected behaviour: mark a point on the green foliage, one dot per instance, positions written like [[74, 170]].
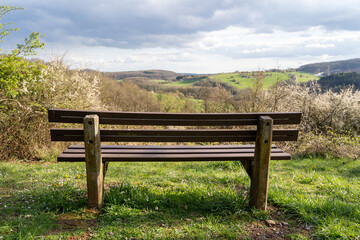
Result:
[[303, 77], [177, 102], [247, 79], [27, 90], [19, 77], [5, 28], [32, 43]]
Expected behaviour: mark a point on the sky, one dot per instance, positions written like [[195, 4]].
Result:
[[189, 36]]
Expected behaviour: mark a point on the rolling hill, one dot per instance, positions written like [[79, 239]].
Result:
[[143, 74], [351, 65]]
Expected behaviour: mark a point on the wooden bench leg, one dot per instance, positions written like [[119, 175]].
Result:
[[94, 164], [260, 170], [105, 168], [248, 167]]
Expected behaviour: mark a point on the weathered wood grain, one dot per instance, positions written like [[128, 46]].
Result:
[[172, 119], [261, 164], [94, 164]]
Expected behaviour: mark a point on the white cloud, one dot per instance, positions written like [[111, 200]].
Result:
[[202, 34], [319, 45]]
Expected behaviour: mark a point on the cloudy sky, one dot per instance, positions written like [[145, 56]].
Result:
[[197, 36]]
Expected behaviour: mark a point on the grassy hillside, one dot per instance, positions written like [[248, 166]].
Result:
[[246, 79], [304, 77], [309, 198]]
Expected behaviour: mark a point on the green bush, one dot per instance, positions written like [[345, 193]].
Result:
[[25, 95]]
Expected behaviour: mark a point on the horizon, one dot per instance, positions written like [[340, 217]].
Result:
[[189, 73], [187, 36]]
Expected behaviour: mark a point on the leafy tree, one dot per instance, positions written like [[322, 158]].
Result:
[[5, 28], [18, 75], [22, 92], [30, 44]]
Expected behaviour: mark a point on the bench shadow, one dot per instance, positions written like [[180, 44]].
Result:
[[138, 206], [63, 210]]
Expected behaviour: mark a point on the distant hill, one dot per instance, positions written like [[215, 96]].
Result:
[[337, 81], [144, 74], [352, 65]]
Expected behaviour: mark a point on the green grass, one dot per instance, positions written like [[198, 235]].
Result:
[[246, 80], [205, 200], [304, 77]]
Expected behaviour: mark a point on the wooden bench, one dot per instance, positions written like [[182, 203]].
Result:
[[255, 158]]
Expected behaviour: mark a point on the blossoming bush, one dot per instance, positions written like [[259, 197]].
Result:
[[23, 104], [330, 120]]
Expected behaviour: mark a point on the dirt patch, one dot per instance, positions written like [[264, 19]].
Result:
[[72, 221], [277, 227], [111, 185], [69, 222]]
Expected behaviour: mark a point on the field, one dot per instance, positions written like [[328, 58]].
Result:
[[246, 80], [309, 198], [304, 77]]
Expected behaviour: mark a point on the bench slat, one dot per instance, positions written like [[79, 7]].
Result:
[[171, 157], [172, 119], [246, 146], [165, 151], [172, 135]]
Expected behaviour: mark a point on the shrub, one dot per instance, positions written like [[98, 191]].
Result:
[[25, 97], [336, 144], [330, 120]]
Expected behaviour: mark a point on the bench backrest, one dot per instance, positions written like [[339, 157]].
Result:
[[173, 119]]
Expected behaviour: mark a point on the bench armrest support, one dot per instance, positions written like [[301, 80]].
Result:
[[94, 164], [260, 170]]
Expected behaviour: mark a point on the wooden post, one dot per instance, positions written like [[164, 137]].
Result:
[[260, 171], [94, 165], [247, 166]]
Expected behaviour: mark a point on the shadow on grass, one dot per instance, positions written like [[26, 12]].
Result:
[[136, 211], [354, 172]]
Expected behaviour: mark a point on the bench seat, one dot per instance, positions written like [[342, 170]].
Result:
[[131, 153]]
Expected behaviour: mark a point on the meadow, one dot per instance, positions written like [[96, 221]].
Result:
[[241, 80], [309, 198], [246, 80]]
